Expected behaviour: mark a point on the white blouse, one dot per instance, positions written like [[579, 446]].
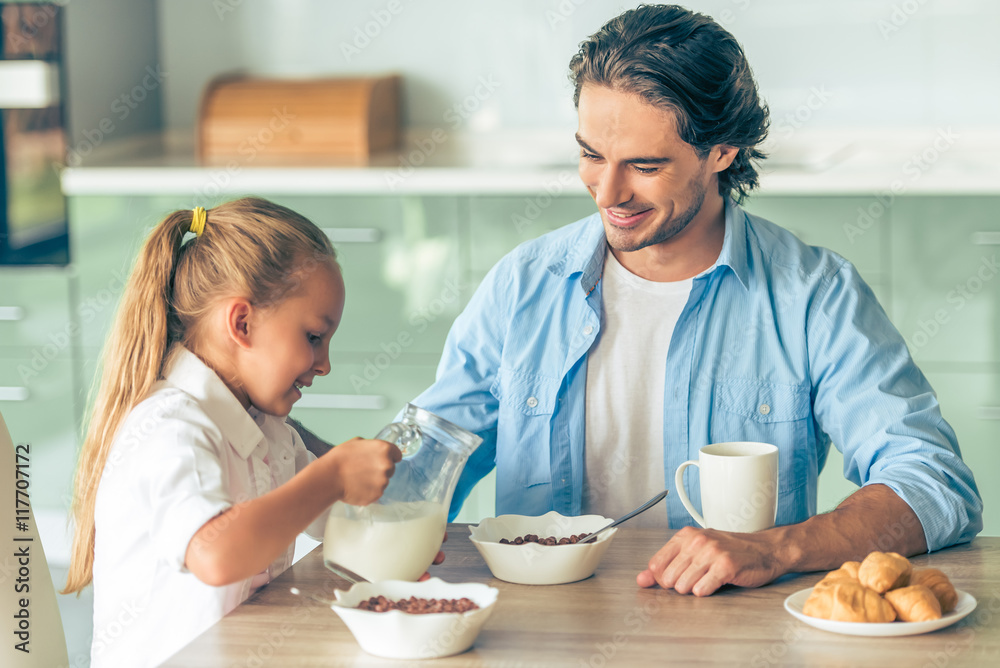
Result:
[[186, 453]]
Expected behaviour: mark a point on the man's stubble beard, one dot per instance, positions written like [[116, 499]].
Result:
[[668, 229]]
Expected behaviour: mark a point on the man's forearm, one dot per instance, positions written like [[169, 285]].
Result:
[[313, 443], [874, 518]]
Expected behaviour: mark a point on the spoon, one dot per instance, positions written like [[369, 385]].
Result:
[[345, 573], [318, 599], [644, 507]]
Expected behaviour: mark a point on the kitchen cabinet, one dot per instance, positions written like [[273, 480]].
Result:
[[401, 267], [970, 401], [360, 397], [498, 224], [37, 376], [945, 268], [841, 224]]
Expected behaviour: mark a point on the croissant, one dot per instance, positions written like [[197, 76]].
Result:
[[851, 568], [846, 573], [883, 571], [915, 603], [939, 584], [848, 602]]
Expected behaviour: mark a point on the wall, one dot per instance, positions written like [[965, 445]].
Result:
[[113, 79], [855, 62]]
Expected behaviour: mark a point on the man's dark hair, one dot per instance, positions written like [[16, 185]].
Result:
[[685, 62]]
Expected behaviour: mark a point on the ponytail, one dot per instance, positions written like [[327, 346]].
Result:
[[132, 361]]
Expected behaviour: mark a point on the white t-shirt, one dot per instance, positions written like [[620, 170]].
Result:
[[182, 456], [625, 375]]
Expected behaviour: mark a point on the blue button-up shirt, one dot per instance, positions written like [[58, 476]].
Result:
[[779, 342]]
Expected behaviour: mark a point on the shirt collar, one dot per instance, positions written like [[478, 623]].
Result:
[[734, 244], [586, 257], [185, 371]]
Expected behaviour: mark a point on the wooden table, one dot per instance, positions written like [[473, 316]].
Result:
[[607, 620]]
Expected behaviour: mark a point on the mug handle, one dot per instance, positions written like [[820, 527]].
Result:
[[679, 485]]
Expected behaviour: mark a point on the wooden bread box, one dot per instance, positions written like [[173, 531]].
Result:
[[297, 121]]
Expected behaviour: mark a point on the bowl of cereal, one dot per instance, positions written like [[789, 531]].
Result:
[[543, 549], [415, 620]]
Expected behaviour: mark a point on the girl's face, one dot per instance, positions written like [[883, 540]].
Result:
[[289, 344]]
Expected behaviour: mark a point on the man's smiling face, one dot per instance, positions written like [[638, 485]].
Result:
[[647, 182]]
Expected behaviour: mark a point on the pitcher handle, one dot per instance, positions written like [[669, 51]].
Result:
[[679, 485], [407, 437]]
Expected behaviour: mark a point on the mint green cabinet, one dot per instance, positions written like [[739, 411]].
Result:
[[401, 266], [833, 486], [842, 224], [946, 260], [498, 224], [43, 417], [970, 401], [106, 233], [37, 375], [35, 312], [359, 397]]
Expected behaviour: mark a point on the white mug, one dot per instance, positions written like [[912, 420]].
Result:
[[739, 486]]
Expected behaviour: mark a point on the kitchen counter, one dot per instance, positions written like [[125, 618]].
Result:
[[948, 161], [606, 620]]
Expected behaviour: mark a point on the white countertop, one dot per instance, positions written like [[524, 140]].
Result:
[[949, 161]]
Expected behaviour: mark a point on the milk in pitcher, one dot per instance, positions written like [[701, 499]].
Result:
[[395, 541]]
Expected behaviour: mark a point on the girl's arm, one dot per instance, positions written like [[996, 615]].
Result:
[[242, 541]]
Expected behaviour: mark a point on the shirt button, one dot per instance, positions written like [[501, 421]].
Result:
[[588, 330], [764, 409], [532, 402]]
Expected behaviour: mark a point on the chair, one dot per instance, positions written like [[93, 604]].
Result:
[[27, 595]]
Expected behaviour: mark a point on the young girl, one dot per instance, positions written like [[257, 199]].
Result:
[[191, 487]]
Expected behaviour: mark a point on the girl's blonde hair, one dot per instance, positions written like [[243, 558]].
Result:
[[249, 247]]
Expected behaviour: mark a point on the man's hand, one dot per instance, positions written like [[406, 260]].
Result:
[[699, 561]]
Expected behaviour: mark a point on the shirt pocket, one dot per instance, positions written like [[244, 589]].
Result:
[[527, 402], [752, 410]]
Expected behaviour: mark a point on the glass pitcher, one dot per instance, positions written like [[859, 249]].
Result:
[[397, 537]]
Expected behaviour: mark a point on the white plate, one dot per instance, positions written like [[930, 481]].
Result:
[[966, 604]]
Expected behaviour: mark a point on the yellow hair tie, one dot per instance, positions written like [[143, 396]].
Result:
[[198, 221]]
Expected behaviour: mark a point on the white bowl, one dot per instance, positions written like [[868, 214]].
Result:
[[401, 635], [536, 564]]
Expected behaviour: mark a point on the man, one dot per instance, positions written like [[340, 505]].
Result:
[[672, 319]]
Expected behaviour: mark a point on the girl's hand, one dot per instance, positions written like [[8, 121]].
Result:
[[362, 468]]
